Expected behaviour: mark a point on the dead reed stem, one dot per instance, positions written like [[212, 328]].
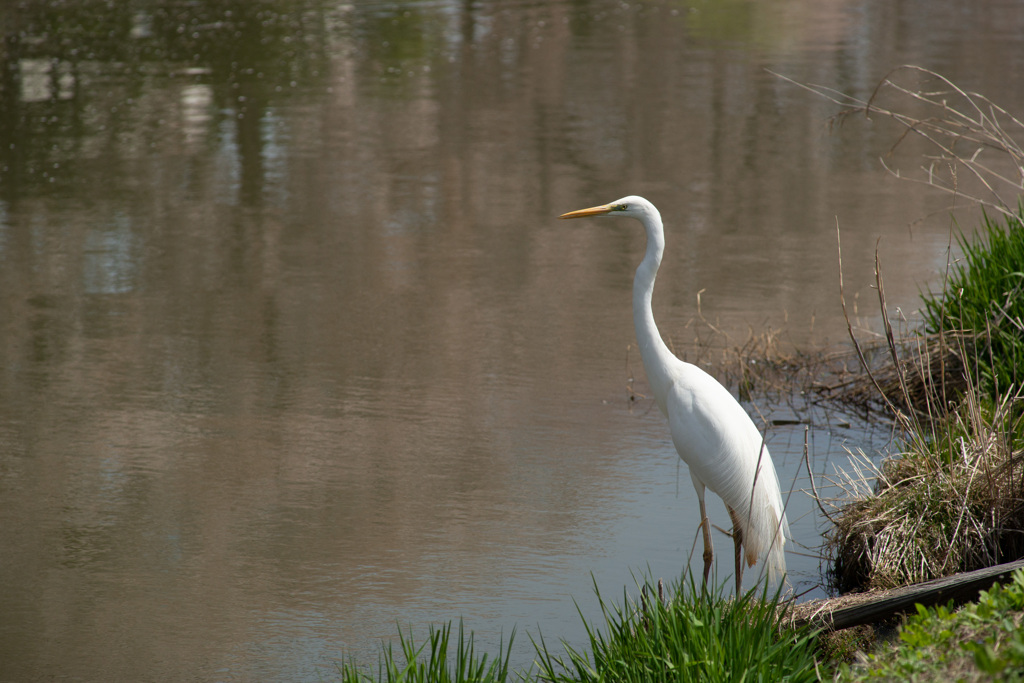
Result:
[[962, 129]]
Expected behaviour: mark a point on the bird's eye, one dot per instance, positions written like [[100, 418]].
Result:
[[619, 207]]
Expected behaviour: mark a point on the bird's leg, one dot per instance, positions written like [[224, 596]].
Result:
[[737, 539], [705, 526]]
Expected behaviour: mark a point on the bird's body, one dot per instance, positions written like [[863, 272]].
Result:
[[712, 433]]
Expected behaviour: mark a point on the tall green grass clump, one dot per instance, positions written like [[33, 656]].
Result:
[[693, 636], [983, 301], [437, 660]]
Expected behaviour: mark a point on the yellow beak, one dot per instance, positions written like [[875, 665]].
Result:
[[592, 211]]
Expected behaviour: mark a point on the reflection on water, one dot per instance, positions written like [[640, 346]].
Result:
[[293, 348]]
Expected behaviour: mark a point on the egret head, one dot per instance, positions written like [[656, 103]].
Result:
[[632, 207]]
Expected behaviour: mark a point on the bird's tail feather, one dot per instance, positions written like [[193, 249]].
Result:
[[768, 527], [776, 559]]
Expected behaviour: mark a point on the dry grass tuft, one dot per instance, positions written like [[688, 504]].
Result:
[[952, 506]]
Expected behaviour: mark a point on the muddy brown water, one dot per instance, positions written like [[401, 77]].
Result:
[[293, 349]]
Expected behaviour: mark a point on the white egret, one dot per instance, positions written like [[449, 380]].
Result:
[[712, 433]]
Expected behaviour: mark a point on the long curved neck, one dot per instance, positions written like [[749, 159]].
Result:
[[655, 354]]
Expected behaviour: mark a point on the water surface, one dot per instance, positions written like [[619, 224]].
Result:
[[293, 348]]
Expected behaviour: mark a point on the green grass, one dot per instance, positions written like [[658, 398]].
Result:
[[437, 660], [693, 636], [981, 642], [984, 296]]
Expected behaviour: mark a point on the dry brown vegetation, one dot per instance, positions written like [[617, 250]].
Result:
[[953, 499]]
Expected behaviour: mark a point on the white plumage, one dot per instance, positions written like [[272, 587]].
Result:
[[712, 433]]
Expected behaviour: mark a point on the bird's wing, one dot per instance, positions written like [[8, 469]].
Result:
[[724, 449]]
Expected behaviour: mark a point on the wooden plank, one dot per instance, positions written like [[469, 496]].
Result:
[[877, 607]]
